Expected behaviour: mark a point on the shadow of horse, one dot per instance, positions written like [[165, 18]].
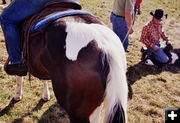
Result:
[[35, 109], [55, 114], [12, 103], [140, 70], [7, 108]]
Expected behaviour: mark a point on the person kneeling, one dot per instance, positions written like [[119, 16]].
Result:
[[151, 34]]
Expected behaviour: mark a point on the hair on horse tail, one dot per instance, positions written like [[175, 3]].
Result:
[[113, 108], [116, 91], [116, 88], [104, 64]]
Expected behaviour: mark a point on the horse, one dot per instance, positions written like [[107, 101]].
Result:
[[86, 64], [151, 60]]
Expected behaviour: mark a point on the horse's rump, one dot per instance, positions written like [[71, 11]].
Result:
[[85, 61]]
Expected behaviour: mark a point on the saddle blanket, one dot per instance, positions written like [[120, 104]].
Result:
[[41, 24]]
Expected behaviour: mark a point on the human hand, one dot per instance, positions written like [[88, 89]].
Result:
[[155, 47], [131, 31]]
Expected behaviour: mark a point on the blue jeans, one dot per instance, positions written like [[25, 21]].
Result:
[[159, 54], [121, 29], [135, 9], [10, 19]]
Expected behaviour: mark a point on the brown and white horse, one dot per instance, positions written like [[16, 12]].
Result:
[[87, 65]]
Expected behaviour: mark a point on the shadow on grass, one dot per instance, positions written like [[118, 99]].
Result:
[[6, 109], [55, 114], [24, 118], [139, 70], [39, 105]]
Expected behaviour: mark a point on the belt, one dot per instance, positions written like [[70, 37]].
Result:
[[118, 15]]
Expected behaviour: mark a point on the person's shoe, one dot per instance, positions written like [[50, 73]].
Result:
[[16, 69], [127, 51]]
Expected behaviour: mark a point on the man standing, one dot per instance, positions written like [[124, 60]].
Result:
[[151, 34], [121, 19]]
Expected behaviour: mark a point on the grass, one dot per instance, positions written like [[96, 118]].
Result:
[[153, 90]]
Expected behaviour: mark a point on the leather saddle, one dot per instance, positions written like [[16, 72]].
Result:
[[49, 9]]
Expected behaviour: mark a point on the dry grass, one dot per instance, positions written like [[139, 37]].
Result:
[[153, 90]]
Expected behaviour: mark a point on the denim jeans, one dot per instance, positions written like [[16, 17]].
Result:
[[135, 10], [159, 54], [120, 28], [10, 19]]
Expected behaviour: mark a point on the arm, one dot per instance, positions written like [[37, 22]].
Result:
[[164, 37], [138, 3], [128, 17], [129, 5]]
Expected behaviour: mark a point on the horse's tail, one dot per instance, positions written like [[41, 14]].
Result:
[[114, 107]]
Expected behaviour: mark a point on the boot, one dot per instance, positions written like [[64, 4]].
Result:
[[16, 69]]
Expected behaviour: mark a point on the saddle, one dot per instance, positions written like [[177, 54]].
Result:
[[49, 10]]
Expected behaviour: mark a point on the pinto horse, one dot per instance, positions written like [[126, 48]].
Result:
[[86, 63]]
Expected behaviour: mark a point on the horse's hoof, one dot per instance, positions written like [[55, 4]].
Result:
[[45, 99], [17, 98]]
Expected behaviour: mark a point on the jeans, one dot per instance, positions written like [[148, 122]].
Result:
[[121, 29], [159, 54], [135, 9], [10, 20]]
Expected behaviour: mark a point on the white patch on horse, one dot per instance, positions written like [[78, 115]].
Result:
[[149, 62], [174, 58], [19, 91], [46, 93], [78, 37]]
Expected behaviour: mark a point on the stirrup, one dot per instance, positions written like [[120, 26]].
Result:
[[15, 69]]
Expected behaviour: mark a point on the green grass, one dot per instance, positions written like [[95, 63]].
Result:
[[153, 90]]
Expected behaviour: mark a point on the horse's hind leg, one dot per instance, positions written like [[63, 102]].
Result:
[[46, 93], [19, 91]]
